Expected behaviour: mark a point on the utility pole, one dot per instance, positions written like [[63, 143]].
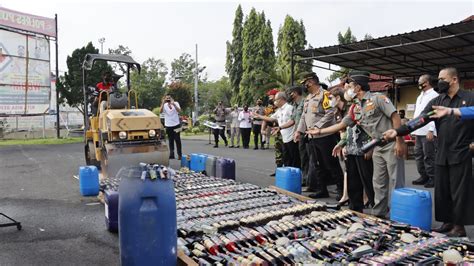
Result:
[[102, 40], [196, 78]]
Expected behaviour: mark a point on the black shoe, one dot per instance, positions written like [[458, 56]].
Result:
[[171, 156], [215, 146], [456, 233], [429, 184], [226, 143], [231, 146], [446, 227], [256, 148], [238, 146], [272, 174], [319, 194], [179, 157], [308, 189], [343, 203], [420, 181]]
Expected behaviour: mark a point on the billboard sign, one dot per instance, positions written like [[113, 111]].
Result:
[[25, 74]]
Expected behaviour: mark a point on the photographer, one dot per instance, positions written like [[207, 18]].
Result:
[[171, 109]]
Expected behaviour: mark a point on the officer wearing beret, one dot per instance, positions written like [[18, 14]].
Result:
[[375, 114], [317, 113]]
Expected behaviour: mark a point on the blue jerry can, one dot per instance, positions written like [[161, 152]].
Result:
[[89, 180], [411, 206], [288, 178], [147, 220]]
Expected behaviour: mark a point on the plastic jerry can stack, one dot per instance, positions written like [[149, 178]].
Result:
[[411, 206], [147, 219], [211, 165], [288, 178], [88, 180], [225, 168], [186, 161], [198, 162], [111, 210]]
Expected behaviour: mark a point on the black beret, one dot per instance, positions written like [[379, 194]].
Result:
[[361, 78]]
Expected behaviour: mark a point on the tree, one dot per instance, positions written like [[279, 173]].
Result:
[[70, 86], [181, 92], [281, 77], [233, 64], [257, 56], [291, 38], [149, 84], [347, 38], [183, 68], [120, 50], [211, 92]]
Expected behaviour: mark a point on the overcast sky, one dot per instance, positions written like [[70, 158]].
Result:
[[167, 29]]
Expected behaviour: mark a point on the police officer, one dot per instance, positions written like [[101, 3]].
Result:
[[257, 124], [375, 114], [317, 113], [220, 113]]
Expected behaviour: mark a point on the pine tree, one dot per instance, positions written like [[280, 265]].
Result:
[[258, 56], [234, 53], [291, 38], [347, 38]]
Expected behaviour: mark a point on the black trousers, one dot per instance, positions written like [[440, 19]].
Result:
[[304, 158], [257, 134], [220, 132], [245, 133], [322, 163], [291, 155], [425, 156], [454, 199], [173, 137], [359, 178]]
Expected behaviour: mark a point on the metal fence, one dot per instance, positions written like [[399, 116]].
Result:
[[44, 126]]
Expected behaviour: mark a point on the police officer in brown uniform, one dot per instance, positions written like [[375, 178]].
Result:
[[317, 113], [375, 114]]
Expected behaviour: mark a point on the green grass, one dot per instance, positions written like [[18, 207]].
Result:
[[47, 141]]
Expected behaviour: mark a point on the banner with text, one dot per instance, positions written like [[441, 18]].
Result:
[[25, 74], [27, 22]]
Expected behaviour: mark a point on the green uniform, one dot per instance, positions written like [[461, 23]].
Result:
[[373, 113]]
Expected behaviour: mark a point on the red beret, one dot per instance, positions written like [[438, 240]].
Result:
[[272, 92]]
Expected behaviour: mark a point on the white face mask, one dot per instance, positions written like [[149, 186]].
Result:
[[350, 94], [333, 102]]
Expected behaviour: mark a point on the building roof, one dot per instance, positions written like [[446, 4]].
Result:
[[407, 54]]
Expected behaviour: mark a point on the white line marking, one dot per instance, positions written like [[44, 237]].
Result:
[[76, 177]]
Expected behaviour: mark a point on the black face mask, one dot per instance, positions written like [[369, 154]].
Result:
[[270, 102], [443, 86], [259, 104], [305, 89]]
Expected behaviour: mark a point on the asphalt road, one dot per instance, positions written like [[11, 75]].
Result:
[[60, 227]]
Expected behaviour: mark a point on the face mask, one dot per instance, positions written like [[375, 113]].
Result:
[[246, 109], [443, 86], [259, 104], [270, 102], [350, 94], [421, 87], [333, 102]]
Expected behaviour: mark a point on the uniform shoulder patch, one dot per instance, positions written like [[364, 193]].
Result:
[[384, 98], [326, 103]]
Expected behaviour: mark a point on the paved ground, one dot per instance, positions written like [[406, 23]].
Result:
[[62, 228]]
